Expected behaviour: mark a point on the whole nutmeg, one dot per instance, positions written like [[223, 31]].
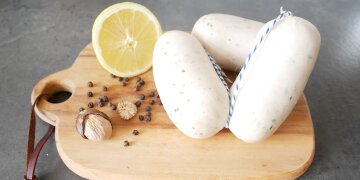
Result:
[[126, 109], [94, 125]]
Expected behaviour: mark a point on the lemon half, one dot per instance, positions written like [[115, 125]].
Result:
[[123, 37]]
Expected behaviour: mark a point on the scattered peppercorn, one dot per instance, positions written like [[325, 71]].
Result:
[[81, 109], [135, 132], [124, 83], [137, 88], [126, 79], [148, 118], [138, 103], [99, 100], [90, 105], [151, 94], [90, 84], [142, 96], [158, 96], [113, 76], [90, 94], [142, 82], [104, 88], [147, 108], [121, 78], [105, 99], [100, 104], [151, 102], [126, 143], [148, 113], [139, 83], [113, 107], [141, 117]]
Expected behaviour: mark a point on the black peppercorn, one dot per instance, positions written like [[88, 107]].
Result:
[[151, 94], [104, 88], [81, 109], [141, 117], [105, 99], [147, 108], [138, 103], [158, 96], [126, 143], [142, 82], [135, 132], [100, 104], [148, 118], [90, 105], [126, 79], [112, 76], [137, 88], [121, 78], [151, 102], [90, 84], [99, 100], [142, 97], [124, 83], [90, 94], [113, 107], [138, 85]]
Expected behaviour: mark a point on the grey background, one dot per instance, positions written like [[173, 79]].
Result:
[[39, 37]]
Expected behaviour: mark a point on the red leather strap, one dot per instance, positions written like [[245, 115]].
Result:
[[33, 154]]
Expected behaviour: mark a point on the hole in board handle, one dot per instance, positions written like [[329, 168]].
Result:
[[59, 97], [58, 91]]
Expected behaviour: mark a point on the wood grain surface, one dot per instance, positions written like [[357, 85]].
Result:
[[161, 151]]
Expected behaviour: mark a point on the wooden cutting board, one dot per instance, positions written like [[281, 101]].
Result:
[[161, 151]]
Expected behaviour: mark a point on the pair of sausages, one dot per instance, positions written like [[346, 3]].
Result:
[[196, 100]]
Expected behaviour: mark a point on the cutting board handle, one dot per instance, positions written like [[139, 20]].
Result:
[[60, 82]]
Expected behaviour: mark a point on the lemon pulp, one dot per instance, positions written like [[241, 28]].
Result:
[[124, 36]]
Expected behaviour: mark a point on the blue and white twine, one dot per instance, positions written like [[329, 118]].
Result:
[[236, 84], [222, 77]]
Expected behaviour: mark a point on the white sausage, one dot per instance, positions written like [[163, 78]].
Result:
[[227, 38], [192, 94], [275, 79]]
